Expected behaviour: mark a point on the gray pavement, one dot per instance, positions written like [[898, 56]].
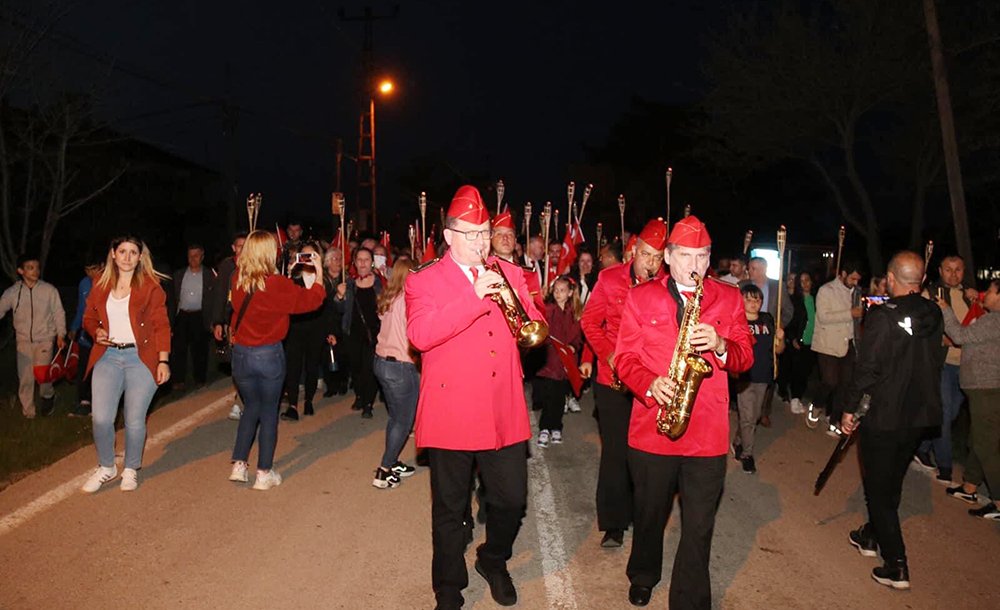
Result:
[[327, 539]]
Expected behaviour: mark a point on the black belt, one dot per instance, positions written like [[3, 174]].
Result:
[[388, 358], [122, 345]]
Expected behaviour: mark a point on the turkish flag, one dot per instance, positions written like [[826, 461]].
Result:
[[430, 252], [573, 238], [568, 358], [975, 311], [344, 248], [388, 248]]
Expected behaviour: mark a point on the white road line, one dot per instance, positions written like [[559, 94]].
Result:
[[559, 588], [10, 521]]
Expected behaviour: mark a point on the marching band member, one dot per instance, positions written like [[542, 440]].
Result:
[[471, 411], [600, 321], [694, 465], [503, 243]]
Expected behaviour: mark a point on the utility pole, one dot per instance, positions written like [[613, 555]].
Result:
[[366, 123], [949, 142]]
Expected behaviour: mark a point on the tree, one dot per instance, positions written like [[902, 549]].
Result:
[[820, 88]]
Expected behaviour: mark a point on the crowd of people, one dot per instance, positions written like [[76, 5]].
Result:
[[630, 322]]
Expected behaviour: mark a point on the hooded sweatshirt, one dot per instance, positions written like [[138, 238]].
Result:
[[899, 365], [38, 311]]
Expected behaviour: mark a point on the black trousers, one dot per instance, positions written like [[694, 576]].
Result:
[[505, 473], [303, 352], [835, 377], [885, 457], [551, 395], [189, 335], [801, 363], [614, 483], [699, 482], [363, 370]]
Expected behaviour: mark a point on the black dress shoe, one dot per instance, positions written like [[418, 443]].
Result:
[[639, 595], [449, 600], [613, 539], [356, 406], [308, 410], [290, 414], [501, 586], [366, 413]]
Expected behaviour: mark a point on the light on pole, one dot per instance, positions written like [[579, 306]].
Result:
[[383, 87]]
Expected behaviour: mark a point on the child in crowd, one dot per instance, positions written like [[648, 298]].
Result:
[[751, 387], [551, 384]]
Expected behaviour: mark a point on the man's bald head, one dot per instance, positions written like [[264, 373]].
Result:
[[906, 273]]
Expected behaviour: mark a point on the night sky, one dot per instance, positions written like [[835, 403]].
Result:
[[514, 89]]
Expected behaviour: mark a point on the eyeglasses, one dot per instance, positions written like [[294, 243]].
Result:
[[472, 235]]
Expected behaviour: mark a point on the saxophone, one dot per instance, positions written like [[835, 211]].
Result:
[[687, 370]]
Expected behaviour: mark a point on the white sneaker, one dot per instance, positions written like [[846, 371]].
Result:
[[239, 473], [235, 413], [573, 404], [130, 480], [557, 437], [812, 419], [797, 407], [267, 480], [543, 438], [833, 431], [101, 476]]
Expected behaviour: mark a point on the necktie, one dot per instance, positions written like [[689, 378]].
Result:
[[475, 274], [688, 294]]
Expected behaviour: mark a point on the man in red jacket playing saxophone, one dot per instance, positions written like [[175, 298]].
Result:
[[694, 465], [471, 410]]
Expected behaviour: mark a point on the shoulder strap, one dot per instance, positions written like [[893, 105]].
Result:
[[243, 310]]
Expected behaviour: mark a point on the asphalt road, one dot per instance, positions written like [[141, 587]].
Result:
[[188, 538]]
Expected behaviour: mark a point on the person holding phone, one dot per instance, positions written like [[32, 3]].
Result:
[[305, 340], [126, 314], [263, 300]]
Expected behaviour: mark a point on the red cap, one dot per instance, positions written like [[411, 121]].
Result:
[[655, 233], [504, 220], [630, 243], [690, 233], [467, 205]]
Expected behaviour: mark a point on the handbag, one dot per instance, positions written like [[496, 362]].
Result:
[[225, 348]]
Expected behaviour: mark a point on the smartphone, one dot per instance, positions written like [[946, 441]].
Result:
[[875, 300], [303, 258], [378, 261]]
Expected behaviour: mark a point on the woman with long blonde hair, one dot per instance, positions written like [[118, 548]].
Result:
[[396, 371], [126, 314], [263, 300]]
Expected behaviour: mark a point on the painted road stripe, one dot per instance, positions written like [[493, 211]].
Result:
[[559, 589], [71, 487]]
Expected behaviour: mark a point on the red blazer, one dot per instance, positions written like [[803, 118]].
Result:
[[471, 383], [603, 313], [147, 310], [645, 346]]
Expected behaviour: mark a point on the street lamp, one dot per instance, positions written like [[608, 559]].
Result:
[[382, 87]]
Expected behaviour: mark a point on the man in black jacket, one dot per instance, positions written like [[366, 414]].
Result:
[[899, 365]]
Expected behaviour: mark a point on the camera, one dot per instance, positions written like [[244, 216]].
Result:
[[303, 258]]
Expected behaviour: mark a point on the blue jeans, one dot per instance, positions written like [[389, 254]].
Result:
[[400, 383], [951, 402], [119, 371], [259, 373]]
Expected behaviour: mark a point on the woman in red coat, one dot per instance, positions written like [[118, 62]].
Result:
[[126, 314]]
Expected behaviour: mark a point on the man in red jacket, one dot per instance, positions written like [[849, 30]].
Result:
[[694, 465], [503, 242], [600, 321], [471, 410]]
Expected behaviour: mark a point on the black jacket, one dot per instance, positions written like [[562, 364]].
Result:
[[899, 364], [208, 280]]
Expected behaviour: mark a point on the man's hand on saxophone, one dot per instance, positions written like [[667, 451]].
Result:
[[704, 338], [661, 390]]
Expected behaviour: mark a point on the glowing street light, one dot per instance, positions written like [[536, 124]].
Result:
[[386, 87]]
